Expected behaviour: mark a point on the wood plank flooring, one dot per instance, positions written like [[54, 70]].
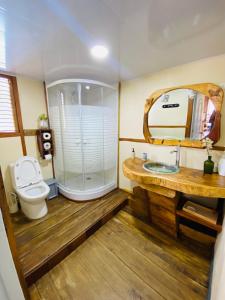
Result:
[[127, 259], [45, 242]]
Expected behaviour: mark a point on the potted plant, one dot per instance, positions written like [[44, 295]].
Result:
[[43, 121]]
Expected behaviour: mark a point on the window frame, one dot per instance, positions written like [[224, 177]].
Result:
[[16, 108]]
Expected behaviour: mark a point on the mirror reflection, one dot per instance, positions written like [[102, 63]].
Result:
[[182, 114]]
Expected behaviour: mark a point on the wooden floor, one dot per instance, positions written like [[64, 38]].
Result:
[[127, 259], [45, 242]]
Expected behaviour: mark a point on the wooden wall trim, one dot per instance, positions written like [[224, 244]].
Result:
[[18, 113], [30, 132], [46, 105], [11, 237], [46, 102], [134, 140], [9, 134], [18, 116], [219, 148], [118, 144]]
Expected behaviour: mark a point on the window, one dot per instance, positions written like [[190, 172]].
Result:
[[8, 114]]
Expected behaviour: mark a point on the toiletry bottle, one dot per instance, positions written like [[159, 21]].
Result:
[[133, 153], [145, 156], [221, 165], [208, 165]]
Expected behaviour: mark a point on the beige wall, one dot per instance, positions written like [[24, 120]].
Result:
[[132, 100], [133, 95], [32, 102]]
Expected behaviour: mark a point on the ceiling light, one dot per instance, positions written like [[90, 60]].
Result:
[[87, 87], [99, 51]]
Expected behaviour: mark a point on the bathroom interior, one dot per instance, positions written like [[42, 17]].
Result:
[[112, 149]]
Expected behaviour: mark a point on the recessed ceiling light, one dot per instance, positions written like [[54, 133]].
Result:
[[99, 51], [87, 87]]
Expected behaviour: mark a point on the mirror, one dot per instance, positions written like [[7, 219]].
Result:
[[181, 114], [184, 115]]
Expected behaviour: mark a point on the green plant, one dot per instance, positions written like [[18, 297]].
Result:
[[43, 117], [207, 143]]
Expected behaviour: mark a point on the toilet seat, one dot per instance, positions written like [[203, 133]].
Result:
[[28, 183], [27, 171], [32, 192]]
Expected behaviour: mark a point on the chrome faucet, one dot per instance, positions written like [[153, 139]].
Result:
[[177, 151]]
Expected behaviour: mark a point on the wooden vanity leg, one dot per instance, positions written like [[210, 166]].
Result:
[[139, 204], [163, 212], [177, 225], [155, 208]]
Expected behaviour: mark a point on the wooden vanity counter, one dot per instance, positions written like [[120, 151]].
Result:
[[189, 181]]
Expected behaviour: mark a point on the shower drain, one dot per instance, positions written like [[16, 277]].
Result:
[[88, 178]]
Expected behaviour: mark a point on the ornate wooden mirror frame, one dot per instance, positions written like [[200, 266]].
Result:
[[213, 91]]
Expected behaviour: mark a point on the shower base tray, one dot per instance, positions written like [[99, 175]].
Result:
[[90, 194]]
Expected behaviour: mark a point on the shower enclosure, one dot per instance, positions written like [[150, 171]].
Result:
[[83, 116]]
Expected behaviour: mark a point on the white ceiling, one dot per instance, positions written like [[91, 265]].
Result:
[[50, 39]]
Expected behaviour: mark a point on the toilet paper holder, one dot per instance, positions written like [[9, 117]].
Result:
[[45, 143]]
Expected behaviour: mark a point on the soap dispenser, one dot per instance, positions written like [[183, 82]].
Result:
[[221, 165]]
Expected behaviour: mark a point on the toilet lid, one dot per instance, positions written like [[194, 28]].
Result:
[[27, 171]]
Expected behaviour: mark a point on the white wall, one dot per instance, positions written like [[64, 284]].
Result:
[[218, 278], [9, 283]]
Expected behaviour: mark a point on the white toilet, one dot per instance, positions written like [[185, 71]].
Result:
[[28, 183]]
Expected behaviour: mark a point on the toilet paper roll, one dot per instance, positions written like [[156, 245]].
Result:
[[48, 157], [46, 136], [47, 146]]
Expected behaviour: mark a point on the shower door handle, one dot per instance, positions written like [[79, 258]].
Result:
[[85, 142]]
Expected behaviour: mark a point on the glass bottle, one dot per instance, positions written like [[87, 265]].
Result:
[[208, 165]]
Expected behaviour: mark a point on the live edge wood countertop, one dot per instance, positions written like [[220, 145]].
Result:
[[189, 181]]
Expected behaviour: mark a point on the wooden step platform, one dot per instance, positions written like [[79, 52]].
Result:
[[45, 242]]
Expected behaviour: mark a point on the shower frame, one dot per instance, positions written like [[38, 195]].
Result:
[[90, 194]]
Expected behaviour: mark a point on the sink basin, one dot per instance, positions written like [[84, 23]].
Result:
[[160, 168]]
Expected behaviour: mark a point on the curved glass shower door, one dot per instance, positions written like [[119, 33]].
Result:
[[92, 129], [83, 116]]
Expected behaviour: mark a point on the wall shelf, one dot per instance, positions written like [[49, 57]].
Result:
[[217, 227], [198, 220]]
